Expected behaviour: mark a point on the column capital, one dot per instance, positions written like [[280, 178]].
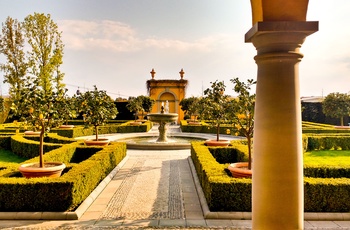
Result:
[[281, 26], [279, 37]]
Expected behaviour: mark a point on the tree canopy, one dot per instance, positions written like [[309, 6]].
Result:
[[215, 105], [337, 105], [12, 47]]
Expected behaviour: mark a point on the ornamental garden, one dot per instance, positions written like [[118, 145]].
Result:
[[41, 123]]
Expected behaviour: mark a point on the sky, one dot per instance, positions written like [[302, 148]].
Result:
[[114, 44]]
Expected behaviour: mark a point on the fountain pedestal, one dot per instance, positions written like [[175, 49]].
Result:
[[162, 119], [162, 132]]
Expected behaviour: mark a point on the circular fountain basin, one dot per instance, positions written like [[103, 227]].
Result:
[[162, 117], [148, 141]]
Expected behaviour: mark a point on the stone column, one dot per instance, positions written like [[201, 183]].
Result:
[[278, 195]]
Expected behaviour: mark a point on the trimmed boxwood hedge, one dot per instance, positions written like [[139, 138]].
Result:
[[28, 147], [86, 167], [224, 193], [320, 142], [203, 128]]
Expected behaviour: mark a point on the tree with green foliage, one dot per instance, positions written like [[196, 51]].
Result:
[[34, 99], [46, 53], [134, 105], [216, 105], [190, 106], [242, 112], [146, 104], [12, 47], [140, 104], [97, 108], [39, 110], [337, 105]]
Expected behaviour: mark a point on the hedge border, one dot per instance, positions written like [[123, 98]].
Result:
[[77, 182], [320, 194]]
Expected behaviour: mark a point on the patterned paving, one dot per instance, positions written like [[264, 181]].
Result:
[[150, 189]]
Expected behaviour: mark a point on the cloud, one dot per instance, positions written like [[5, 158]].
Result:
[[119, 37]]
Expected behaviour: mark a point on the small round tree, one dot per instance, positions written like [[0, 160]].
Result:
[[134, 105], [39, 110], [337, 105], [146, 104], [242, 111], [216, 105], [97, 108], [190, 106], [140, 103]]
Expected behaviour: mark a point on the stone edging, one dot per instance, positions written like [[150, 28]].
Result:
[[321, 216], [65, 215]]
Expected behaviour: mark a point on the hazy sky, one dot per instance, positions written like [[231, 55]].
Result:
[[114, 44]]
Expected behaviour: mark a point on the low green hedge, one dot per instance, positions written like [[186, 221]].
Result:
[[224, 193], [77, 131], [237, 152], [127, 128], [204, 128], [318, 128], [5, 140], [326, 195], [326, 172], [86, 168], [328, 142], [27, 148]]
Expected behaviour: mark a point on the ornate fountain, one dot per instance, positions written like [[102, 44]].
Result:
[[163, 118]]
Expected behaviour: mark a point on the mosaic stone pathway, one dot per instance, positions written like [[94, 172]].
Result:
[[150, 188]]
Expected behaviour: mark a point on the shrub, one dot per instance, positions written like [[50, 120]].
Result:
[[86, 167]]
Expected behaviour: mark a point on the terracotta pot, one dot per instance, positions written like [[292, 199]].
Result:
[[194, 123], [240, 170], [99, 142], [136, 123], [32, 133], [66, 126], [342, 127], [222, 143], [52, 169]]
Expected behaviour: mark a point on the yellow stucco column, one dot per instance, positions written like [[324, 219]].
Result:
[[278, 196]]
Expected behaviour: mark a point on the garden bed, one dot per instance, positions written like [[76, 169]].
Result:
[[86, 168], [226, 194]]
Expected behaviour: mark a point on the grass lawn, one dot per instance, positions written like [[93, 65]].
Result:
[[336, 158], [7, 157]]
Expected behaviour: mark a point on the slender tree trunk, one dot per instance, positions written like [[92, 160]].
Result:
[[96, 132], [41, 146], [341, 121], [217, 132], [249, 152]]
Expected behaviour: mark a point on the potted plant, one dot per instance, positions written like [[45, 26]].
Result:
[[97, 107], [35, 99], [242, 111], [39, 110], [215, 106]]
